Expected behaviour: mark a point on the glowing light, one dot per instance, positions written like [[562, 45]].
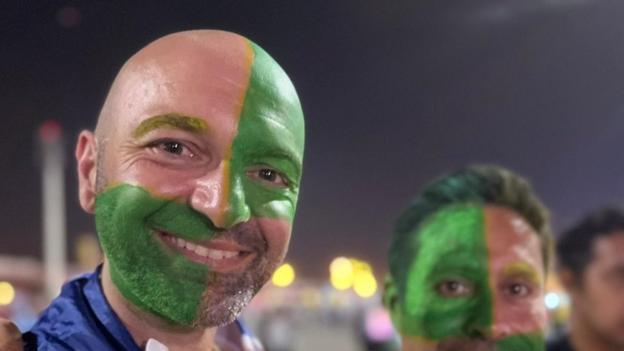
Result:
[[552, 300], [364, 284], [7, 293], [341, 273], [378, 325], [284, 275]]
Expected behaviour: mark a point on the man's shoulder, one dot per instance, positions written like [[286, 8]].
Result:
[[561, 343], [68, 323], [66, 310]]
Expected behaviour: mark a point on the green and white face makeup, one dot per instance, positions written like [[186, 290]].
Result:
[[476, 283], [198, 175]]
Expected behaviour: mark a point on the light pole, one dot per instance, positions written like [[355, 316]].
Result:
[[53, 206]]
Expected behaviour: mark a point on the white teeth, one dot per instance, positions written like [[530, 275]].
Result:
[[215, 254], [230, 254], [201, 251]]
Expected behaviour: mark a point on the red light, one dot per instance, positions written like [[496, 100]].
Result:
[[50, 131]]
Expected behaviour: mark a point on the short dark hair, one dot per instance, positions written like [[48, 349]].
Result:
[[575, 246], [477, 184]]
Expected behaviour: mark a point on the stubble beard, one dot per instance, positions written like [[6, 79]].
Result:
[[227, 294]]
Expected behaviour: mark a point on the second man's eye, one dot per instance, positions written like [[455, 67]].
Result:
[[453, 288], [518, 290]]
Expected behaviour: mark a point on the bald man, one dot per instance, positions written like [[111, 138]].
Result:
[[193, 176]]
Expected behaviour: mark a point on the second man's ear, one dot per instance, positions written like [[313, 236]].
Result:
[[390, 293]]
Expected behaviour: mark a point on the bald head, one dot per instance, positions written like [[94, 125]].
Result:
[[178, 67]]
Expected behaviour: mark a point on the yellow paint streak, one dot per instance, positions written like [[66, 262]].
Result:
[[225, 193], [523, 270], [171, 121]]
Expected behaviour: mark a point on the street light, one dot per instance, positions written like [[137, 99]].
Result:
[[284, 275], [341, 273], [7, 293]]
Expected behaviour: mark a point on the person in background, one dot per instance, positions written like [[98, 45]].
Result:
[[591, 269]]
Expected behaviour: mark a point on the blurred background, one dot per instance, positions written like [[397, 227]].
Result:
[[395, 93]]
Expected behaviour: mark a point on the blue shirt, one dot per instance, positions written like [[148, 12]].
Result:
[[80, 318]]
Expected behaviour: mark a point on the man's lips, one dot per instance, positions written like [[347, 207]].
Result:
[[222, 256]]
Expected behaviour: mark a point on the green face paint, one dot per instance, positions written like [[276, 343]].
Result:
[[270, 134], [126, 217], [448, 300], [456, 232], [530, 342]]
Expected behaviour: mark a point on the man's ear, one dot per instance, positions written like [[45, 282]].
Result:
[[390, 294], [391, 300], [86, 157]]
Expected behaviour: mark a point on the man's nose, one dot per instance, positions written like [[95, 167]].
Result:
[[478, 324], [500, 330], [220, 196], [494, 331]]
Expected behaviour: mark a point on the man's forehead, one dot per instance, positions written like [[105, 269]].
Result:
[[210, 75], [609, 248], [458, 220]]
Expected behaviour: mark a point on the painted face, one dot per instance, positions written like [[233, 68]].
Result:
[[476, 284], [199, 177]]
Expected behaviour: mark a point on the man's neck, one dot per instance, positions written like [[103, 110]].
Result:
[[583, 336], [143, 326]]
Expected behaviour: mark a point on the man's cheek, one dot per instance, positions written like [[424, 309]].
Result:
[[434, 318], [447, 318], [160, 181], [521, 318], [265, 205], [277, 235]]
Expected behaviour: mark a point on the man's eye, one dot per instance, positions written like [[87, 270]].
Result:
[[518, 290], [455, 288], [173, 147], [269, 175]]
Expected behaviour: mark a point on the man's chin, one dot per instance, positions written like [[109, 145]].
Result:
[[217, 310]]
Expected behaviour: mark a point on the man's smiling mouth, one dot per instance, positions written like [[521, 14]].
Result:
[[222, 256]]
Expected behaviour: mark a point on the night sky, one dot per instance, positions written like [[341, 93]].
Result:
[[394, 92]]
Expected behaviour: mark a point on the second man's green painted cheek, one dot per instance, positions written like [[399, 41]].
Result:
[[439, 317]]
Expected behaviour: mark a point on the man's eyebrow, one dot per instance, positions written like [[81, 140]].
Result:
[[522, 269], [171, 121]]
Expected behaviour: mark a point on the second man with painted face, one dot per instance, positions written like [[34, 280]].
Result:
[[467, 265]]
